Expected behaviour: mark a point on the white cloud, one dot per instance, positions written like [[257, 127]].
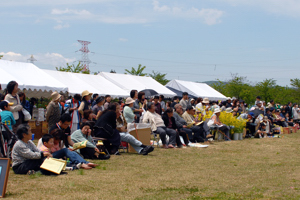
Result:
[[61, 26], [52, 59], [123, 39], [69, 11], [208, 16], [282, 7], [156, 7]]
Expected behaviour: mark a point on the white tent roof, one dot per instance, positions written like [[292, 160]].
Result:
[[77, 83], [196, 89], [29, 77], [129, 82]]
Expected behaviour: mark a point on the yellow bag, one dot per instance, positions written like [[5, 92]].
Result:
[[79, 145]]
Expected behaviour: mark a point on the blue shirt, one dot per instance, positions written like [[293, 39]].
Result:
[[7, 118]]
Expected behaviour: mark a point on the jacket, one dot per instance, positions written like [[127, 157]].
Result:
[[149, 118], [166, 121], [180, 122], [188, 118], [17, 105]]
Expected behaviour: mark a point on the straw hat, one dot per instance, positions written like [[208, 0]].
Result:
[[217, 110], [86, 93], [205, 100], [228, 110], [129, 100], [55, 96]]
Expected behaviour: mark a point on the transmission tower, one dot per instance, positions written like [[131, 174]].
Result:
[[31, 59], [85, 58]]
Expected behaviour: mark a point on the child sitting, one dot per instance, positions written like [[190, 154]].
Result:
[[7, 117], [261, 132], [48, 143]]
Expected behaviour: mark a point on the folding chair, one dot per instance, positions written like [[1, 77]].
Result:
[[156, 138]]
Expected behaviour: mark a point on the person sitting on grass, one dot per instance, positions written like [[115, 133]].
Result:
[[26, 158], [127, 137], [7, 118], [48, 142], [169, 121], [90, 151], [261, 132], [158, 126]]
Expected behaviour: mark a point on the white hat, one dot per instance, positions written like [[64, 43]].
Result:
[[229, 110], [205, 100], [129, 100], [217, 110]]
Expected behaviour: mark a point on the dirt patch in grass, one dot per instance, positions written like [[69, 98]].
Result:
[[247, 169]]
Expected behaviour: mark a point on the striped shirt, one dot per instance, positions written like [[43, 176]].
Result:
[[43, 148]]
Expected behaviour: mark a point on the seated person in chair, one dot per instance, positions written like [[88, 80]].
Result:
[[127, 137], [215, 121], [191, 121], [169, 121], [158, 126], [183, 126]]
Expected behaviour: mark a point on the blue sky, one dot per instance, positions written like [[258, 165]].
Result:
[[189, 40]]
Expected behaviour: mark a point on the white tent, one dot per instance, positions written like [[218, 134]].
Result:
[[130, 82], [196, 89], [29, 77], [77, 83]]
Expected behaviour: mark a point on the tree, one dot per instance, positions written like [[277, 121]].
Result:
[[159, 77], [79, 68], [1, 56], [137, 72], [112, 71], [266, 89]]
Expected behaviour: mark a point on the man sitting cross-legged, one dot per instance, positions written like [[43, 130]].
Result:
[[158, 126]]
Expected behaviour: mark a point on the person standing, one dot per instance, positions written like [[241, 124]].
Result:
[[184, 102], [53, 112], [85, 104], [13, 97], [71, 107]]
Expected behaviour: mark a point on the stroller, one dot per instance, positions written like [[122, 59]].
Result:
[[7, 141]]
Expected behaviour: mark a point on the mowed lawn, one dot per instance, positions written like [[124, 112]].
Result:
[[248, 169]]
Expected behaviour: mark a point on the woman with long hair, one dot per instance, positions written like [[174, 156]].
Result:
[[13, 97]]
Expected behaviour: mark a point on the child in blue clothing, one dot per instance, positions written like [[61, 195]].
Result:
[[7, 117]]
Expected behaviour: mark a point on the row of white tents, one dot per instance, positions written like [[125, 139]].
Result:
[[41, 83]]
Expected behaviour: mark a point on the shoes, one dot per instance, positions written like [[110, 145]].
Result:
[[103, 157], [30, 172], [147, 150]]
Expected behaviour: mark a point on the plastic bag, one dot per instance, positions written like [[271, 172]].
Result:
[[27, 115]]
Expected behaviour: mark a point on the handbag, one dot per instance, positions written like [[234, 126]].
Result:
[[27, 115]]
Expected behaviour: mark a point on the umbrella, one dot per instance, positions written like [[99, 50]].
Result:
[[257, 112], [149, 92]]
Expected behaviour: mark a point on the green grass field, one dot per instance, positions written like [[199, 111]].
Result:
[[248, 169]]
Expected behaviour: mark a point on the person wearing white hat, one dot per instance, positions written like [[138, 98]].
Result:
[[84, 105], [53, 112], [127, 112], [215, 121]]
